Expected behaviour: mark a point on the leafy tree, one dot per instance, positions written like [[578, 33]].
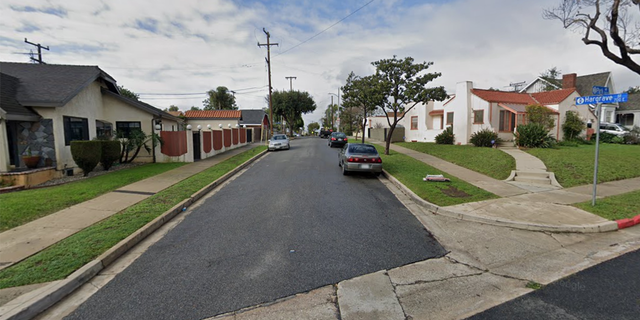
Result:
[[330, 115], [290, 105], [173, 108], [633, 90], [552, 76], [403, 85], [572, 126], [134, 141], [312, 127], [194, 108], [128, 93], [361, 94], [541, 115], [602, 17], [220, 99]]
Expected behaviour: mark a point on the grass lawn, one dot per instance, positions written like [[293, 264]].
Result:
[[68, 255], [410, 172], [22, 207], [615, 207], [573, 166], [490, 162]]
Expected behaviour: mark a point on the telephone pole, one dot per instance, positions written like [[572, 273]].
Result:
[[268, 45], [40, 47], [291, 82]]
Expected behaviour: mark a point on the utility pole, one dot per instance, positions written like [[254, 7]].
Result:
[[40, 47], [291, 82], [268, 45]]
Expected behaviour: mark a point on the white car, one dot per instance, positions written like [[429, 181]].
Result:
[[613, 128], [279, 142]]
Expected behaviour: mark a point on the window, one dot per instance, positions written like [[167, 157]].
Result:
[[103, 129], [414, 123], [449, 118], [75, 129], [507, 121], [124, 128], [478, 116]]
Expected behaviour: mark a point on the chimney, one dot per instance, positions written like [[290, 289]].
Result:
[[569, 81]]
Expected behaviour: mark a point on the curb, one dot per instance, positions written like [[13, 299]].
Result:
[[57, 290], [434, 209], [626, 223]]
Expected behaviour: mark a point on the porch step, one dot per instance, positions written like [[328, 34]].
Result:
[[506, 145], [533, 177]]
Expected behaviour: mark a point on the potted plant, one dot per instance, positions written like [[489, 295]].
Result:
[[31, 161]]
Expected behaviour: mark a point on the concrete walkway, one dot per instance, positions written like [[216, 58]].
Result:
[[21, 242]]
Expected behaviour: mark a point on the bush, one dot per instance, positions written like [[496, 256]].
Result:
[[534, 135], [485, 138], [446, 137], [606, 137], [633, 136], [110, 153], [572, 126], [86, 154]]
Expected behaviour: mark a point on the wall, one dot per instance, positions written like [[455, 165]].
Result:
[[213, 122], [379, 134], [39, 138], [4, 146]]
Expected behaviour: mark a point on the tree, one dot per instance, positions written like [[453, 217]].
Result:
[[134, 141], [633, 90], [290, 105], [313, 127], [330, 116], [173, 108], [602, 17], [128, 93], [572, 126], [540, 115], [220, 99], [362, 94], [403, 86], [552, 76], [194, 108]]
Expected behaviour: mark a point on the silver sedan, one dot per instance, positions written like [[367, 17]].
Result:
[[359, 157], [278, 142]]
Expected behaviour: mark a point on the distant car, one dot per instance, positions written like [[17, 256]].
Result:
[[337, 139], [325, 132], [359, 157], [278, 142], [613, 128]]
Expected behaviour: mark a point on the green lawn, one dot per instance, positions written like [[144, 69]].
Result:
[[68, 255], [615, 207], [573, 166], [410, 172], [22, 207], [490, 162]]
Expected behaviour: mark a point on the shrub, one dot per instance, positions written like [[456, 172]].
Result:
[[534, 135], [606, 137], [446, 137], [572, 126], [110, 153], [540, 115], [86, 154], [633, 136], [485, 138]]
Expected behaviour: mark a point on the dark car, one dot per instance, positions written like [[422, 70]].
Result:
[[337, 139], [325, 132], [359, 157]]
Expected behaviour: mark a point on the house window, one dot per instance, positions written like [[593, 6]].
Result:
[[449, 118], [478, 116], [75, 129], [103, 129], [124, 128], [522, 118], [414, 123]]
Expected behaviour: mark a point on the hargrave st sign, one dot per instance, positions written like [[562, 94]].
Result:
[[607, 98]]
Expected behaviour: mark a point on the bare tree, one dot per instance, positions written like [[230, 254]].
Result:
[[602, 17]]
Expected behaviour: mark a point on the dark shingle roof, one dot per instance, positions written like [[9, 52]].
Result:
[[252, 117], [584, 84], [633, 103], [141, 105], [9, 102], [50, 85]]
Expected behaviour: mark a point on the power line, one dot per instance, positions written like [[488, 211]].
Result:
[[321, 32]]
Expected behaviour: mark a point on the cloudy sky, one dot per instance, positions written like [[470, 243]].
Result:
[[172, 52]]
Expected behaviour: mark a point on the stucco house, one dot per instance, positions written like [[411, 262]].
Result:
[[213, 119], [628, 113], [256, 120], [43, 107]]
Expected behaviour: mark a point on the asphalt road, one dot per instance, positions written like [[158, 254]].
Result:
[[291, 223], [610, 290]]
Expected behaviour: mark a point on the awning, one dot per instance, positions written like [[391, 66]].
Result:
[[436, 112]]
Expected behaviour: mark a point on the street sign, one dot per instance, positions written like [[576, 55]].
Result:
[[607, 98], [598, 91]]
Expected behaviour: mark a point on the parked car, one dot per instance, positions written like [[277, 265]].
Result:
[[278, 141], [613, 128], [359, 157], [325, 132], [337, 139]]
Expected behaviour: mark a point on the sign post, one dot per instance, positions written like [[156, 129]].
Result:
[[600, 96]]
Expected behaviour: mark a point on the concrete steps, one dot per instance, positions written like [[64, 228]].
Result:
[[533, 177]]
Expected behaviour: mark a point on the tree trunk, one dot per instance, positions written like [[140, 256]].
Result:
[[388, 139]]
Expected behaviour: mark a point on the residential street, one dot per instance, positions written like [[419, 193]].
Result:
[[291, 223]]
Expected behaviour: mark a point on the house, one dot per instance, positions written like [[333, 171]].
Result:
[[43, 107], [471, 110], [628, 113], [213, 119], [258, 121]]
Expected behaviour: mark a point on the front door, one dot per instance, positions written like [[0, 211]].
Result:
[[196, 146]]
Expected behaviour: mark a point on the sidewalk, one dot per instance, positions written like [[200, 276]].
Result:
[[21, 242]]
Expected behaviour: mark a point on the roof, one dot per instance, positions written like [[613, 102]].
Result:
[[390, 114], [520, 108], [175, 113], [252, 117], [51, 85], [585, 84], [9, 105], [213, 114], [552, 97], [141, 105], [543, 98], [633, 103]]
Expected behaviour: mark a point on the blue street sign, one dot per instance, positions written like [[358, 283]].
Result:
[[598, 91], [607, 98]]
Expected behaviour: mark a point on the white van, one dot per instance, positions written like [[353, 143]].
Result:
[[613, 128]]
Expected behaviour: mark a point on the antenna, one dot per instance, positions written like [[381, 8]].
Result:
[[517, 85], [40, 47]]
